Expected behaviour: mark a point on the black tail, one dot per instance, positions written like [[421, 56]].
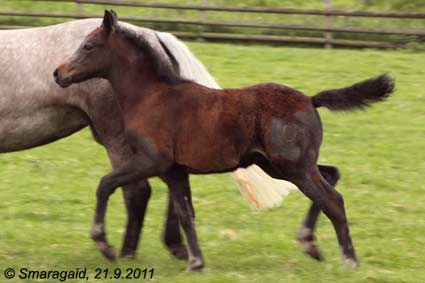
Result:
[[357, 96]]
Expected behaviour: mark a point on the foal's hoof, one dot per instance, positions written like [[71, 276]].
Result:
[[179, 251], [107, 251], [350, 262], [306, 239], [312, 250], [195, 264]]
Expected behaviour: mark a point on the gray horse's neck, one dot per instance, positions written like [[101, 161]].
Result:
[[33, 109]]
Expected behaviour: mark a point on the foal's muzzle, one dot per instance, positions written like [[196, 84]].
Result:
[[59, 80]]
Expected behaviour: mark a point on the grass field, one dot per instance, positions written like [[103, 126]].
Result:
[[47, 194]]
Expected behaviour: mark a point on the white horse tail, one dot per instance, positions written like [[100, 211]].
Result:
[[259, 189]]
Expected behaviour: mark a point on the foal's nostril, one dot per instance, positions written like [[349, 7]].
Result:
[[55, 74]]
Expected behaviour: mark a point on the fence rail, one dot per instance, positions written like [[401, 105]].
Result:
[[330, 12], [328, 30]]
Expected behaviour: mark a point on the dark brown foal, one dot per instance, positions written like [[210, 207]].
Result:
[[183, 128]]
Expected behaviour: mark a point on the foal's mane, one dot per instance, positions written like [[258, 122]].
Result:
[[168, 72]]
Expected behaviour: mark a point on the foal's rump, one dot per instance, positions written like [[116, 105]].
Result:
[[290, 125]]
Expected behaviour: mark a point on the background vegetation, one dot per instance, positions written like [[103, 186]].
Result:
[[413, 6], [48, 193]]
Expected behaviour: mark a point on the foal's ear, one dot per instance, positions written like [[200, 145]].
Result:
[[110, 21]]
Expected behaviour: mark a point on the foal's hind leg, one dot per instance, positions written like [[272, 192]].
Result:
[[314, 186], [136, 197], [172, 237], [305, 234]]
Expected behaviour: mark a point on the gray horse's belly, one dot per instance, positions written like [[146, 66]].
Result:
[[20, 131]]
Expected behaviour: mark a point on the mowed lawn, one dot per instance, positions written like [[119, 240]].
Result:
[[48, 194]]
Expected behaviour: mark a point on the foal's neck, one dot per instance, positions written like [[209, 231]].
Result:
[[133, 80]]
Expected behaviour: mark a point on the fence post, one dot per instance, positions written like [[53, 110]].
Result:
[[79, 8], [202, 15], [328, 24]]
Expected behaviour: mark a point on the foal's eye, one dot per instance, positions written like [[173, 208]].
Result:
[[88, 46]]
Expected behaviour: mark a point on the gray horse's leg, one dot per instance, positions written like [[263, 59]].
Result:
[[136, 197], [107, 122], [172, 237]]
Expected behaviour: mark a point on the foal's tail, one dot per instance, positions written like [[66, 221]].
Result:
[[357, 96]]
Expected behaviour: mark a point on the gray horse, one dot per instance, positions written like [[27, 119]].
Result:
[[35, 111]]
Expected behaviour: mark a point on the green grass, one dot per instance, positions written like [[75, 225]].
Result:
[[48, 193]]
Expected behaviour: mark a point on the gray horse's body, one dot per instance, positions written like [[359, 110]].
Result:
[[33, 109]]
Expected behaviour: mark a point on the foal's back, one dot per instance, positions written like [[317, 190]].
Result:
[[238, 104]]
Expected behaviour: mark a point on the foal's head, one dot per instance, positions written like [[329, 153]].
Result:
[[93, 57], [109, 48]]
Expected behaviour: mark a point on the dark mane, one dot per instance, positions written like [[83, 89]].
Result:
[[166, 71]]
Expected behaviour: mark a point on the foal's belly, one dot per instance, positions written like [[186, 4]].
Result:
[[211, 156], [212, 147], [34, 127]]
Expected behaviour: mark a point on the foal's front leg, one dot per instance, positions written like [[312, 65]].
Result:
[[108, 125], [136, 198], [177, 180], [139, 167]]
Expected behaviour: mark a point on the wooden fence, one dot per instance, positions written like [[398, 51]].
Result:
[[328, 30]]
